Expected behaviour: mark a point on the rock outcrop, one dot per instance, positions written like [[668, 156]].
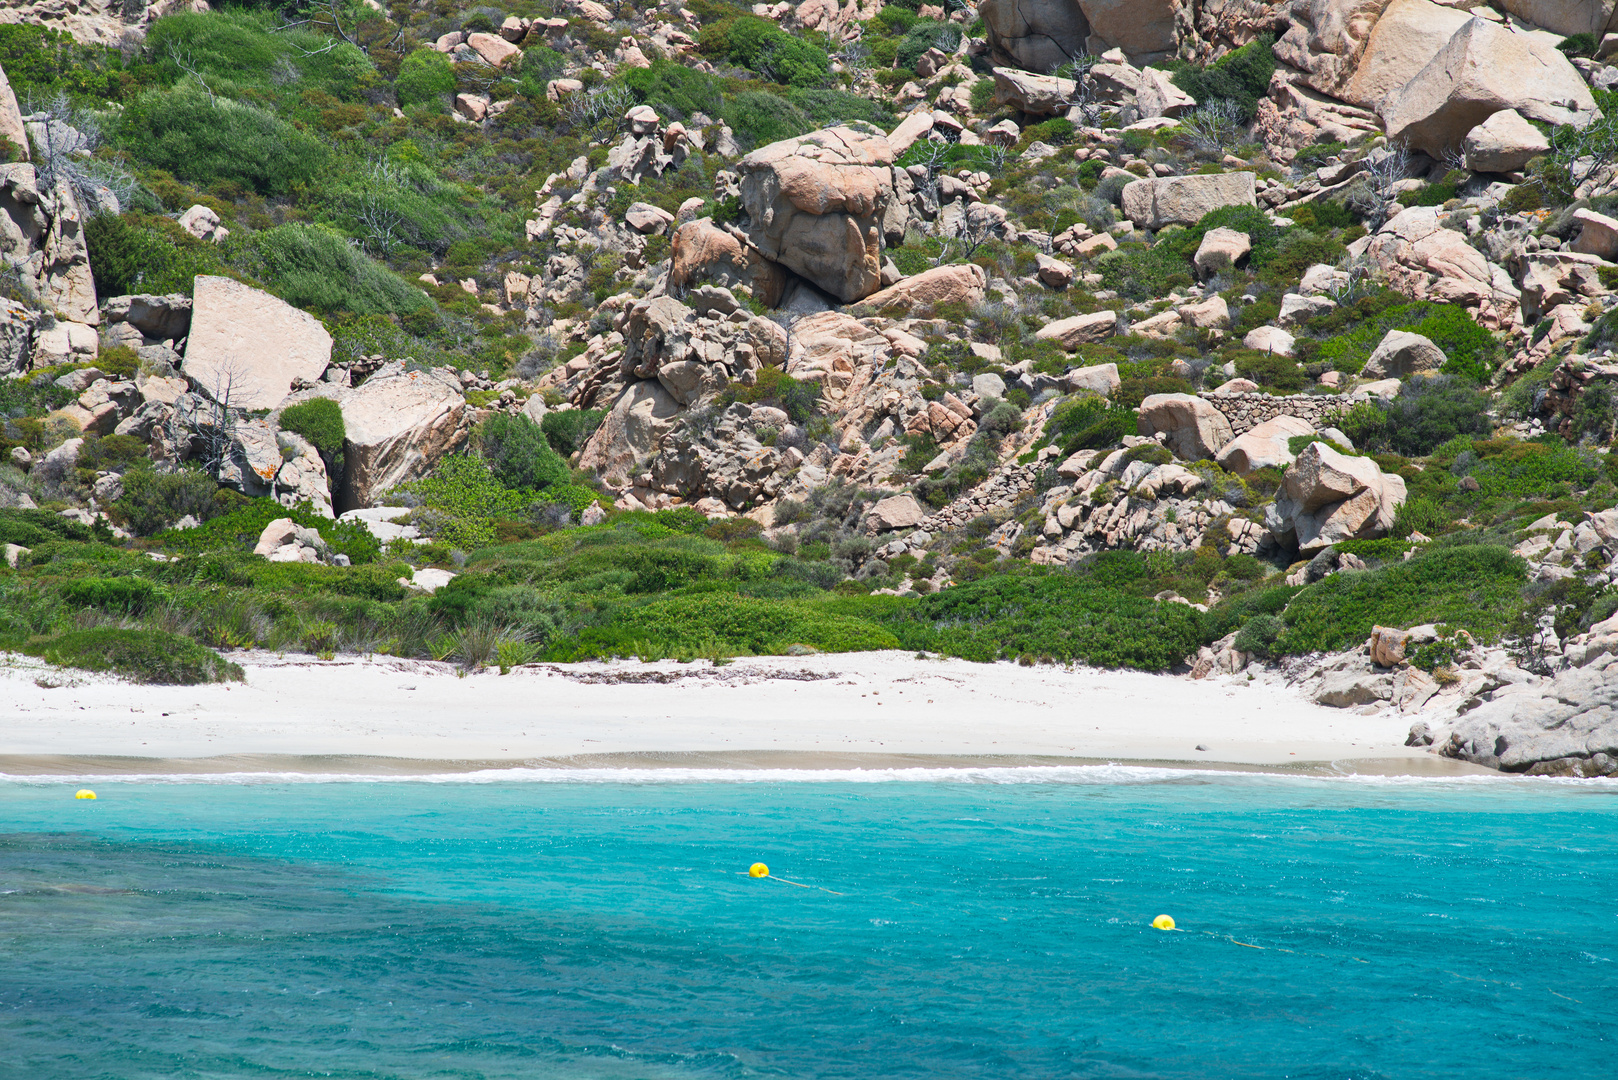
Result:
[[703, 253], [1195, 429], [1035, 34], [1264, 446], [246, 347], [399, 425], [1327, 497], [1482, 70], [1505, 142], [42, 234], [1183, 200], [1402, 353], [815, 205], [1566, 726], [920, 294]]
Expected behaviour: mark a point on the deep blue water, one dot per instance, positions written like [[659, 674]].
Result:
[[606, 929]]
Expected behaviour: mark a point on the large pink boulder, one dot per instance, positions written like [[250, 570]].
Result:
[[815, 205], [1327, 497]]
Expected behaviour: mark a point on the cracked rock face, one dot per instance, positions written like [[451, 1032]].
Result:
[[816, 205]]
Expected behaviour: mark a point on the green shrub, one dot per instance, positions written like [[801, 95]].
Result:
[[31, 528], [153, 500], [800, 400], [1140, 273], [129, 594], [145, 656], [237, 532], [1426, 414], [319, 420], [1530, 469], [982, 95], [132, 253], [569, 429], [715, 624], [1258, 635], [764, 47], [1241, 76], [461, 500], [925, 35], [759, 118], [518, 453], [425, 77], [1271, 371], [675, 90], [1064, 615], [317, 268], [1582, 44], [209, 141], [1475, 587], [41, 63], [248, 53], [826, 107]]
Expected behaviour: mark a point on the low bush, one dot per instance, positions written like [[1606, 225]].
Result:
[[759, 117], [518, 453], [144, 656], [674, 90], [1063, 616], [425, 77], [238, 531], [155, 499], [317, 268], [30, 528], [127, 594], [569, 429], [320, 421], [800, 400], [207, 140], [718, 625], [133, 253], [460, 501], [1426, 414], [1241, 77], [1475, 587]]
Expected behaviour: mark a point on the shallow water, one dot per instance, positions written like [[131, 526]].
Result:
[[980, 923]]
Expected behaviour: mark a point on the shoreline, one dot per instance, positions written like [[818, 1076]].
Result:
[[382, 716], [735, 764]]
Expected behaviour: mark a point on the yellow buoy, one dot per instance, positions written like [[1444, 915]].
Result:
[[1164, 922], [758, 869], [84, 793]]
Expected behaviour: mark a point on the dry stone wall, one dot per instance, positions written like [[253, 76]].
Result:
[[1247, 411]]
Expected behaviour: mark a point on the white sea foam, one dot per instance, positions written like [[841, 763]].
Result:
[[1079, 775]]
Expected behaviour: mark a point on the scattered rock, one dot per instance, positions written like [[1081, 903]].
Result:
[[1503, 143], [895, 512], [1220, 250], [1485, 69], [920, 294], [1080, 329], [1270, 339], [1387, 645]]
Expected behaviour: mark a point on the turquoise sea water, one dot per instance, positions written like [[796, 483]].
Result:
[[977, 925]]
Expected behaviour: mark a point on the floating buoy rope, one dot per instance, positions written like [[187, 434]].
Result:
[[759, 870]]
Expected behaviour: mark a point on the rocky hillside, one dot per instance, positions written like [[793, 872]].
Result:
[[1230, 337]]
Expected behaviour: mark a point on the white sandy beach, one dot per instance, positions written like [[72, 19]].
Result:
[[416, 715]]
